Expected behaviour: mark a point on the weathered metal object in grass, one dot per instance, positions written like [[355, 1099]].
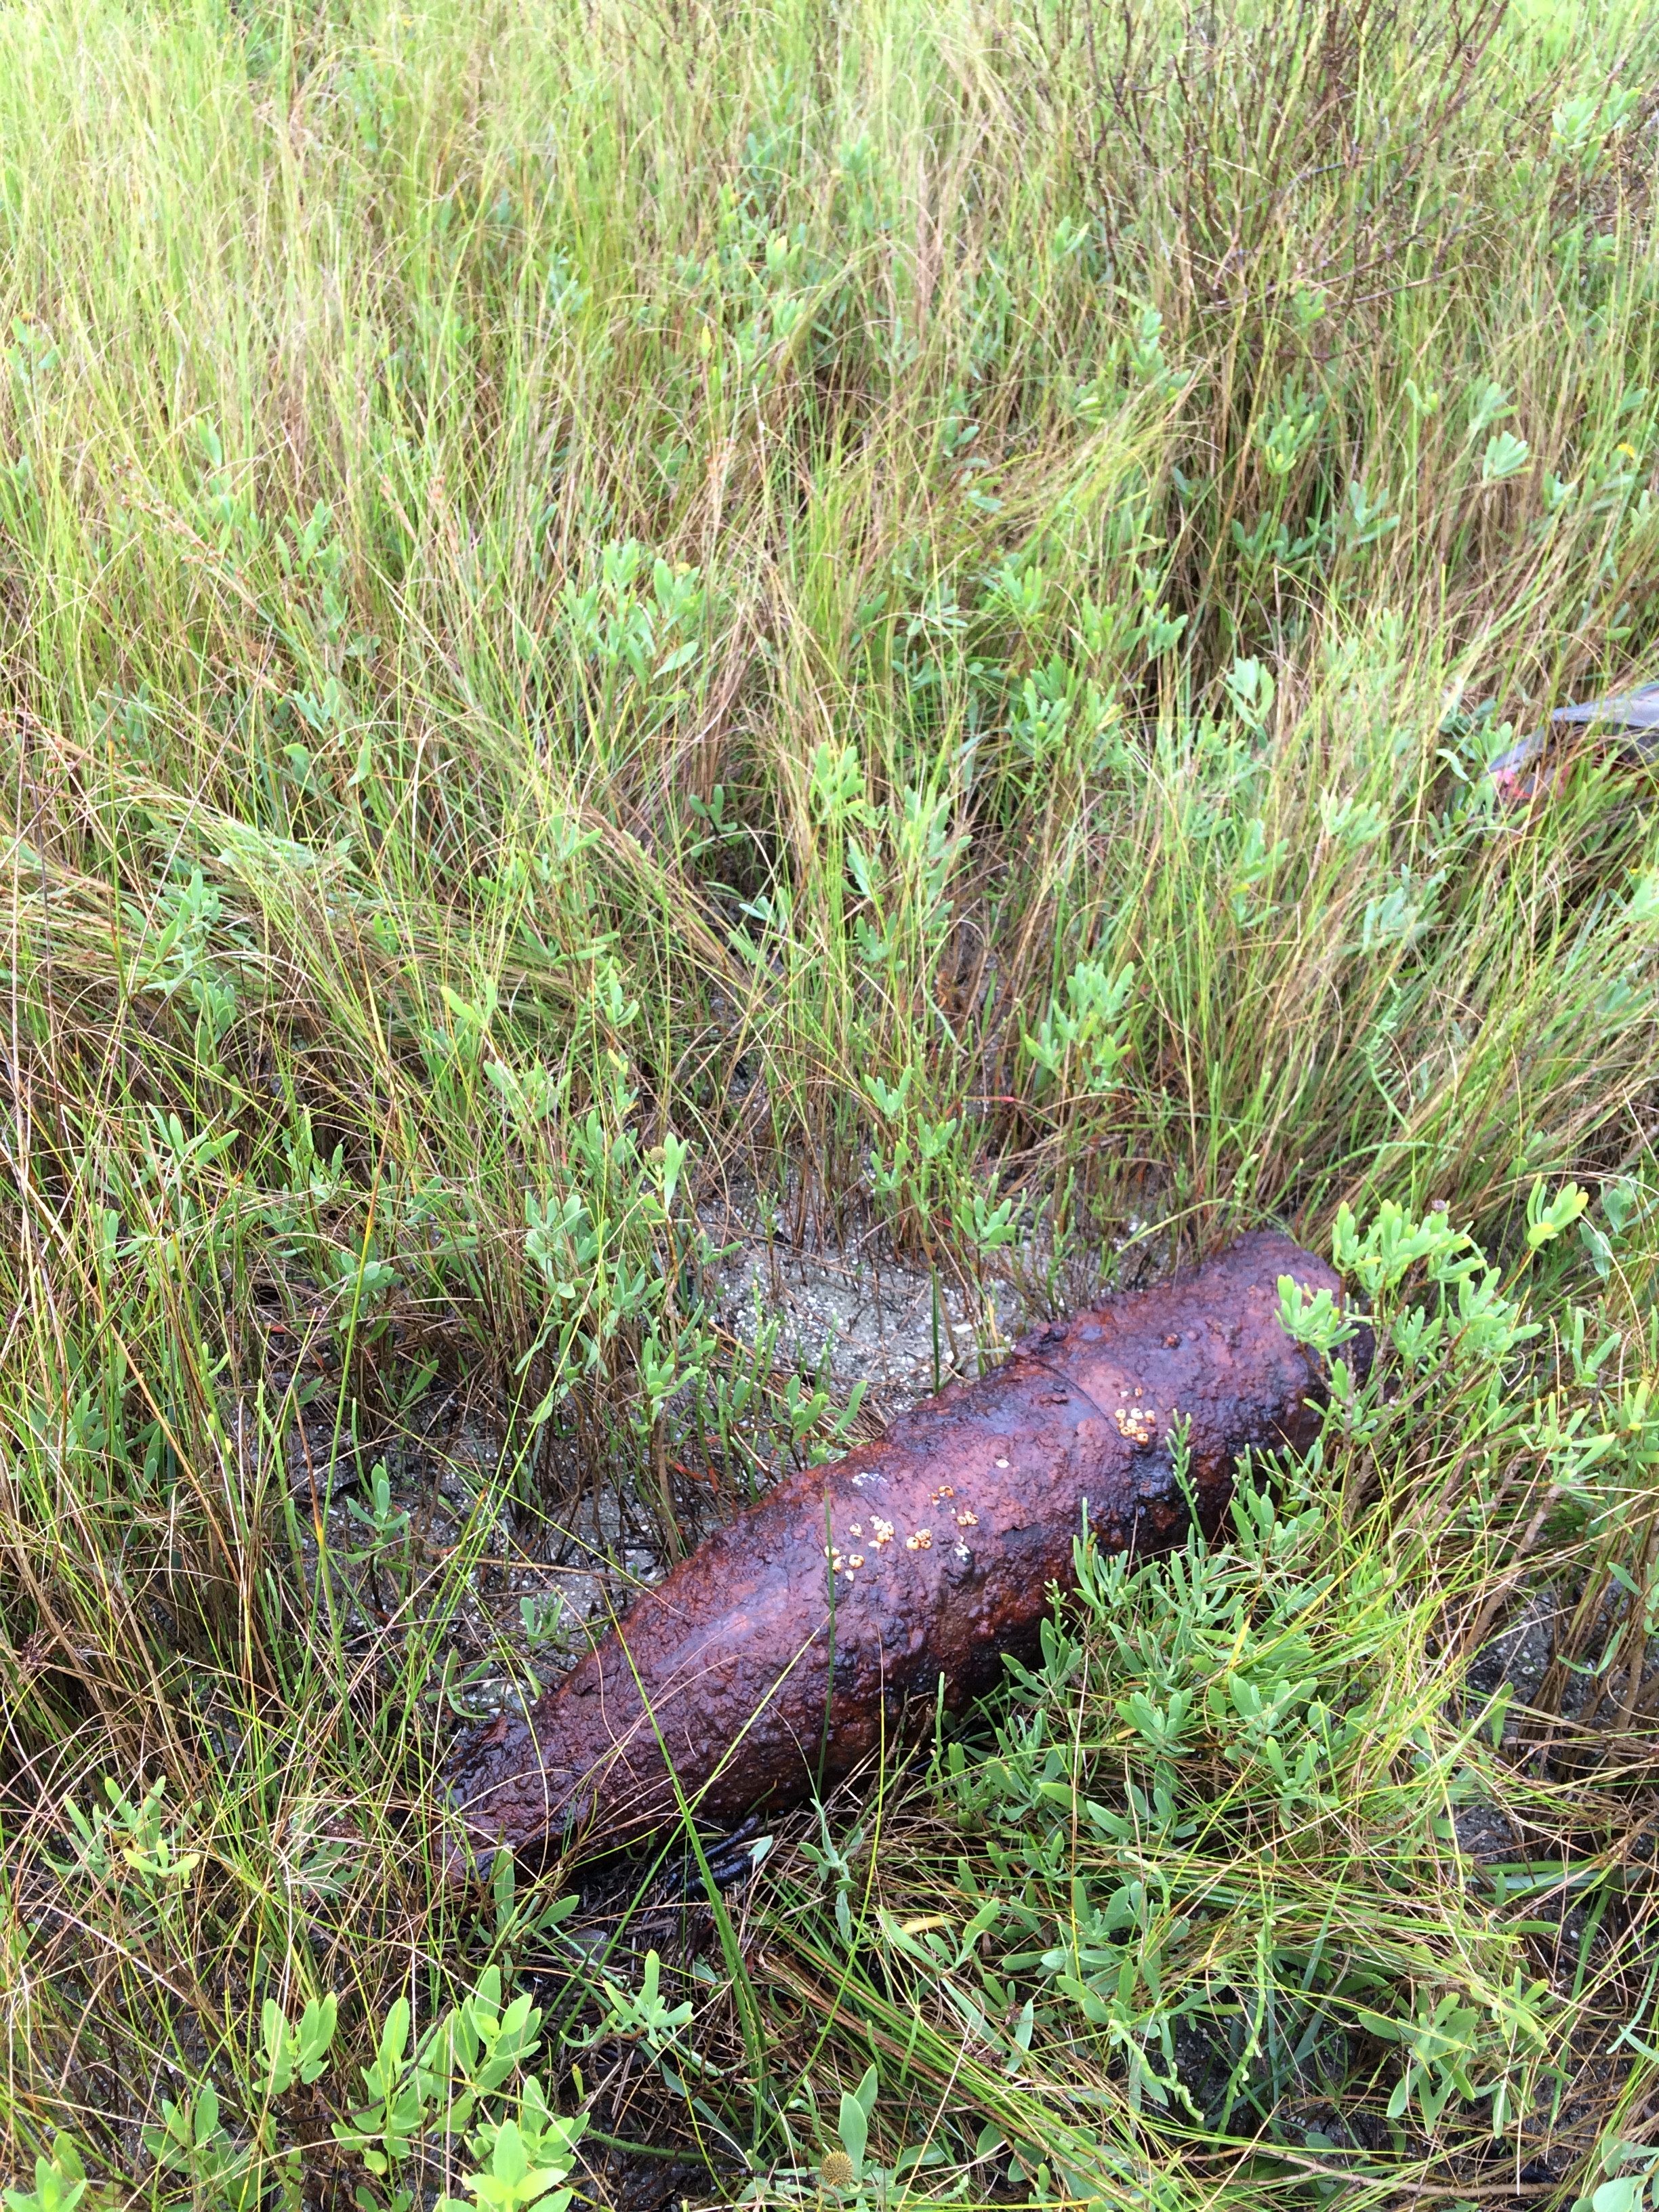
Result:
[[1632, 717], [913, 1562]]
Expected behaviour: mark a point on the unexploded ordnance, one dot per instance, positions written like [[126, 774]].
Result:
[[856, 1581]]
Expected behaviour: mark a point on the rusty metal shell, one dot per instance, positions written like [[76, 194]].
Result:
[[921, 1558]]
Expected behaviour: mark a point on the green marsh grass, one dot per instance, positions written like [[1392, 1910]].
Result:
[[887, 621]]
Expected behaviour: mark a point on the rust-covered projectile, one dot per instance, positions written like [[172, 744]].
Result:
[[921, 1558]]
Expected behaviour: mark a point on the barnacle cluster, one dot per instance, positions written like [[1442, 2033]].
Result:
[[1138, 1423]]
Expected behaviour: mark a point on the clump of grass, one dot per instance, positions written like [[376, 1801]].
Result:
[[893, 621]]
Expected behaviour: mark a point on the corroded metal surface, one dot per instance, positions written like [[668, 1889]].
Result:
[[926, 1555]]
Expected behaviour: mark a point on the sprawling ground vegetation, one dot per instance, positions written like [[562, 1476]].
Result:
[[637, 629]]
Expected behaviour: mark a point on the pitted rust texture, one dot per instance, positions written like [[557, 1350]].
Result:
[[942, 1540]]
